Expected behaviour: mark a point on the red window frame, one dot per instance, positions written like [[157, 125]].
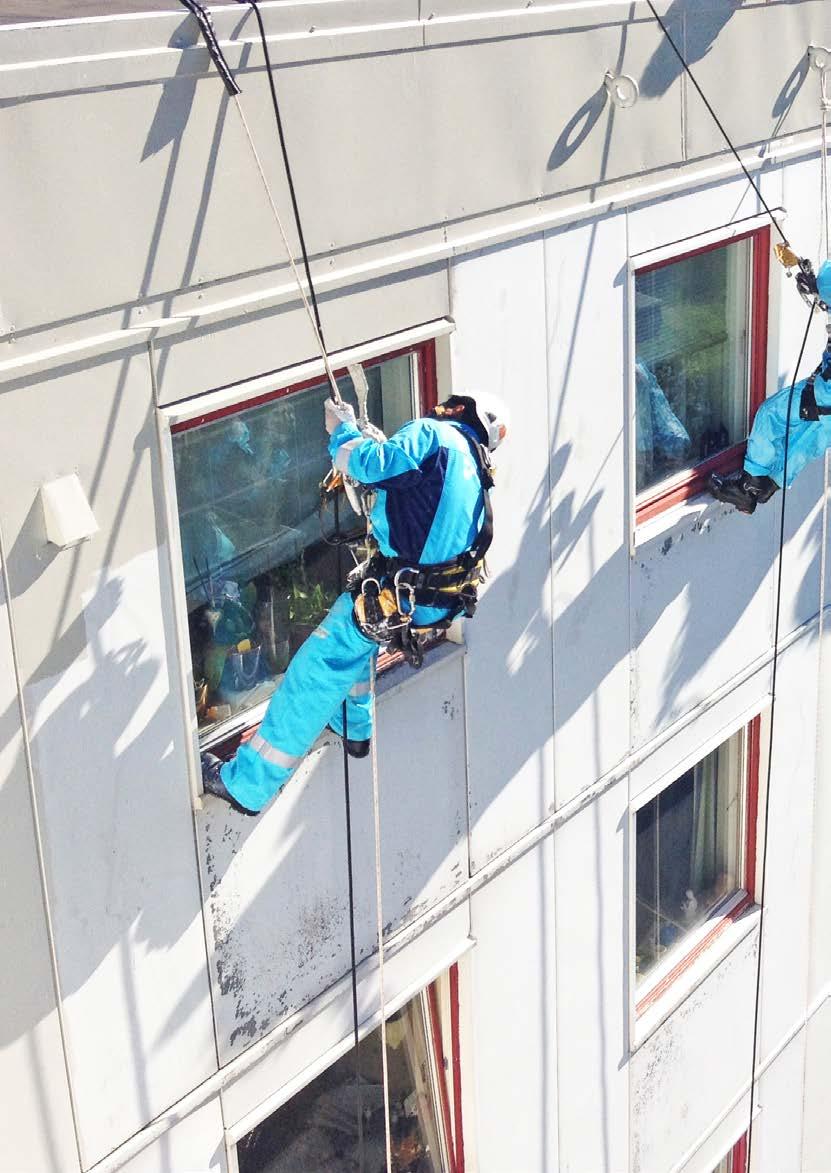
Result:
[[425, 355], [453, 1130], [654, 502], [738, 1156], [427, 388], [723, 922]]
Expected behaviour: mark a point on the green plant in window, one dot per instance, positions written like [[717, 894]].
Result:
[[308, 604]]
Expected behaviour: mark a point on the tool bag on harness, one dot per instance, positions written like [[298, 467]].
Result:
[[387, 590]]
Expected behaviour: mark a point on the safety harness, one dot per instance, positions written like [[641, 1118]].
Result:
[[386, 590], [809, 409]]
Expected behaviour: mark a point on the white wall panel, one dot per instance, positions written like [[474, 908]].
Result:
[[195, 1144], [678, 217], [788, 889], [326, 1029], [498, 302], [701, 612], [782, 99], [94, 628], [36, 1128], [215, 354], [514, 1019], [816, 1139], [820, 963], [586, 288], [279, 909], [684, 1076], [591, 877], [777, 1130]]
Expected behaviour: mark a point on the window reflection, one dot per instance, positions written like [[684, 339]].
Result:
[[336, 1123], [259, 571], [692, 362], [687, 852]]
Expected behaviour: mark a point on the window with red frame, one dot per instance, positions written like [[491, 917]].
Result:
[[695, 860], [260, 566], [319, 1127], [700, 365], [736, 1160]]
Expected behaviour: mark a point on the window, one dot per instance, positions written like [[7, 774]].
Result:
[[700, 366], [694, 860], [336, 1122], [260, 566], [736, 1159]]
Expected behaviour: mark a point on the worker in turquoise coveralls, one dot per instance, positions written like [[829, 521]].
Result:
[[430, 511], [810, 430]]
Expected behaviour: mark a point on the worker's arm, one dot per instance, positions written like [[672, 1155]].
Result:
[[371, 461]]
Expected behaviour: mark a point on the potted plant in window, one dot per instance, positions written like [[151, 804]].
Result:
[[307, 606]]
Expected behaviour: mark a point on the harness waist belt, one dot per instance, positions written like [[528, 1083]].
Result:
[[809, 409]]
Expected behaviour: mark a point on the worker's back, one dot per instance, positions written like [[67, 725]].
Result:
[[430, 505]]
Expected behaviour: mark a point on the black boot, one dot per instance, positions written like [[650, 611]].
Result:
[[355, 749], [213, 784], [742, 490]]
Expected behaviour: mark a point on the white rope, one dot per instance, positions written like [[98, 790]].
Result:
[[376, 810], [330, 374], [376, 797], [824, 254]]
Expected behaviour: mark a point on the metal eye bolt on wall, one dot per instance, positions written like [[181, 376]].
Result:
[[414, 532]]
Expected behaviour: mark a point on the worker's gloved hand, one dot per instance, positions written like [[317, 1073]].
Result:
[[336, 414], [212, 783], [806, 281]]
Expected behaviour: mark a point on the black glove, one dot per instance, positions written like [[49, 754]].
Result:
[[806, 283], [212, 783]]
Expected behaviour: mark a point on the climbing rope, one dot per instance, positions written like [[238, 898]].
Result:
[[718, 123], [312, 309], [376, 810], [780, 559]]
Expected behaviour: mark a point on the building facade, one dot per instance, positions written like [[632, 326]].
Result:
[[579, 808]]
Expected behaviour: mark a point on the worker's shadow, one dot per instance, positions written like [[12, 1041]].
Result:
[[701, 29]]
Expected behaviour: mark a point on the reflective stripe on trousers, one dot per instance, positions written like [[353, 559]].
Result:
[[327, 670]]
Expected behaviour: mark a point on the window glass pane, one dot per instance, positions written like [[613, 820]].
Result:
[[691, 361], [259, 572], [687, 852], [318, 1128]]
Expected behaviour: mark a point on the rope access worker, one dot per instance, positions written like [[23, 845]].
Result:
[[432, 523], [809, 426]]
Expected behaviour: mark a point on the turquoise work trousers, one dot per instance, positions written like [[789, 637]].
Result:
[[332, 667]]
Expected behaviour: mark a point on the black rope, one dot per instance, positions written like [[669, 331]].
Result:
[[203, 19], [346, 791], [770, 739], [718, 123], [780, 560], [289, 177]]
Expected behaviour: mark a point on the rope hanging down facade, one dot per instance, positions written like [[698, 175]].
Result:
[[312, 310], [778, 609]]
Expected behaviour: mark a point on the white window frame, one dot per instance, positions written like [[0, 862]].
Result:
[[722, 235], [237, 395], [642, 1025]]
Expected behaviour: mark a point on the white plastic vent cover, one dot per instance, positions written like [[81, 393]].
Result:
[[66, 512]]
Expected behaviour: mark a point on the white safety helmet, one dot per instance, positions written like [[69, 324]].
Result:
[[493, 416], [485, 413]]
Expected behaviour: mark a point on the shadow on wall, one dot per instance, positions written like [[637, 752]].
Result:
[[700, 32]]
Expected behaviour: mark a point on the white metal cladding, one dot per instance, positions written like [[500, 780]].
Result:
[[590, 650]]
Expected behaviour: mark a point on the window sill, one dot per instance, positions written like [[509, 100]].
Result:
[[393, 673], [697, 514], [674, 981]]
